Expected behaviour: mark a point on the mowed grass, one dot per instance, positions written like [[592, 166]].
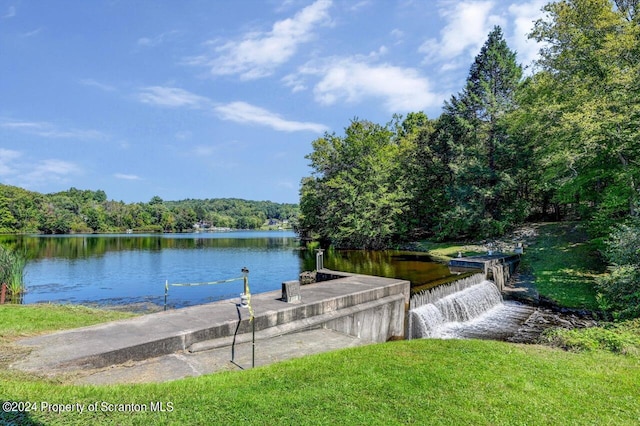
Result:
[[439, 382], [26, 320], [561, 259], [449, 250], [565, 265]]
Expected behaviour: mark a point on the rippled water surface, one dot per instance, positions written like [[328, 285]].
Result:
[[133, 268]]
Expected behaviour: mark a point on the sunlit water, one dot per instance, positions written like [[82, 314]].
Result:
[[133, 268]]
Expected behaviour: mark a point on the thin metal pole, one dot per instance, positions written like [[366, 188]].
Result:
[[233, 344], [253, 344], [319, 259], [166, 293]]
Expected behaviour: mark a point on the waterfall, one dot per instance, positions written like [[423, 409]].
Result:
[[458, 302], [433, 294]]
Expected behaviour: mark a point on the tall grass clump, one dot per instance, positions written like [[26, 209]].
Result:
[[12, 266]]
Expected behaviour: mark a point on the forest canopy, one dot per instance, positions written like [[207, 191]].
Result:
[[77, 210], [562, 142]]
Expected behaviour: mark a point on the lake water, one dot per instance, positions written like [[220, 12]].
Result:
[[133, 268]]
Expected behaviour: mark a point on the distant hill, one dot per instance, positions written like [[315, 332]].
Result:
[[75, 211]]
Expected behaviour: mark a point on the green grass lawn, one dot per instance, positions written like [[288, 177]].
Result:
[[561, 259], [446, 382], [449, 250], [565, 265], [435, 382]]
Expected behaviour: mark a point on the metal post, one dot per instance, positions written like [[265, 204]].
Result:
[[247, 293], [245, 274], [319, 259], [166, 293]]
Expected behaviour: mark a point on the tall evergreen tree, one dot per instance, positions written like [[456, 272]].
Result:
[[482, 190]]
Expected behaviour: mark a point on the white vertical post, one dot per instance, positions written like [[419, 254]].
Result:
[[319, 259]]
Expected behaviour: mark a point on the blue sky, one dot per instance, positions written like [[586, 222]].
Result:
[[208, 99]]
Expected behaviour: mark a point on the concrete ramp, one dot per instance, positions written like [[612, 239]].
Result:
[[370, 309]]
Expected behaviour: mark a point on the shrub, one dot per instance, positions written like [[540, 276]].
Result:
[[620, 289], [621, 338], [12, 271]]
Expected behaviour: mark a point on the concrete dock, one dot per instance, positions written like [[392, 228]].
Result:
[[480, 262], [348, 311]]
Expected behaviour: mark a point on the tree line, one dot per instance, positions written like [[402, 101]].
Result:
[[79, 211], [560, 143]]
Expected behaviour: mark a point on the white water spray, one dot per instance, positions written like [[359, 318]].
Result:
[[431, 319]]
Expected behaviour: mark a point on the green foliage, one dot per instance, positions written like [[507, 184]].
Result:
[[623, 245], [90, 211], [440, 382], [357, 197], [620, 289], [565, 265], [588, 99], [483, 191], [620, 338], [12, 266]]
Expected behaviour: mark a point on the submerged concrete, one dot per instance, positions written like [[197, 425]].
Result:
[[370, 309]]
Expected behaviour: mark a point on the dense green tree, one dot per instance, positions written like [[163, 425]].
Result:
[[7, 220], [357, 196], [590, 92], [96, 219], [78, 210], [482, 191], [620, 289], [424, 161]]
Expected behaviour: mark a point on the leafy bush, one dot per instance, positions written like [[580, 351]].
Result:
[[621, 338], [12, 271], [620, 289]]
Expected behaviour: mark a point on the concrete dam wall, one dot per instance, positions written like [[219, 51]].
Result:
[[366, 307]]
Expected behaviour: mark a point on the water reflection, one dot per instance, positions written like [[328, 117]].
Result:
[[117, 269], [81, 246], [419, 268]]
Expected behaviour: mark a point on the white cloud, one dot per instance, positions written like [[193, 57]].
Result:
[[468, 23], [397, 34], [56, 167], [258, 54], [171, 97], [29, 173], [93, 83], [354, 80], [7, 160], [204, 150], [11, 12], [295, 82], [183, 135], [286, 184], [32, 33], [46, 172], [156, 40], [523, 17], [49, 130], [242, 112], [126, 176]]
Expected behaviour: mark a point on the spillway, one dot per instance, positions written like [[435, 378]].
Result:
[[469, 308]]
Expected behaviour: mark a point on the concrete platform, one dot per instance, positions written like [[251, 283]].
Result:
[[185, 364], [479, 262], [367, 308]]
